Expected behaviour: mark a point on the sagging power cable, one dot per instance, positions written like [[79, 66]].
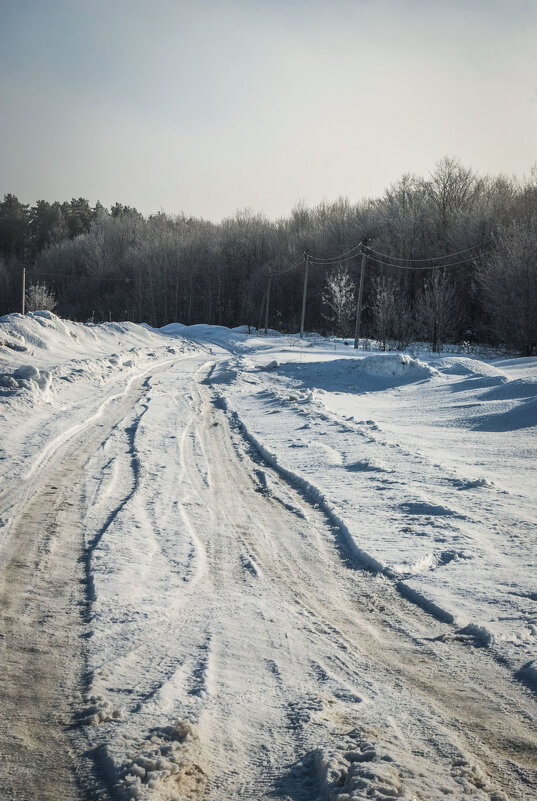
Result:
[[397, 262], [275, 274], [431, 258], [423, 267]]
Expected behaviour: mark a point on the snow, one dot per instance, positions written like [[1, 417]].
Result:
[[388, 365], [416, 474], [172, 328], [427, 465], [57, 376]]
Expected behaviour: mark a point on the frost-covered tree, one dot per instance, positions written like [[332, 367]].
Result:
[[164, 268], [508, 282], [382, 309], [391, 316], [403, 218], [338, 297], [437, 309], [453, 191], [38, 298]]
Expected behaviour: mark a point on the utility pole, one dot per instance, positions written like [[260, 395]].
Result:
[[23, 289], [261, 310], [267, 304], [305, 292], [360, 294]]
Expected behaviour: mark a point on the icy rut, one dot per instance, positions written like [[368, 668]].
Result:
[[243, 654]]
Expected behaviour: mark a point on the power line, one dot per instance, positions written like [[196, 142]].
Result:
[[334, 260], [423, 267], [39, 274], [404, 263], [286, 270], [432, 258], [342, 256]]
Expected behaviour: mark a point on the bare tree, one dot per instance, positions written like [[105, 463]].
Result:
[[403, 218], [437, 309], [382, 309], [339, 296], [38, 298], [508, 282], [453, 191], [391, 313], [117, 263]]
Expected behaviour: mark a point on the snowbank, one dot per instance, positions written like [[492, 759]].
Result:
[[55, 376], [39, 349], [423, 467], [172, 328], [396, 365], [26, 377], [372, 373]]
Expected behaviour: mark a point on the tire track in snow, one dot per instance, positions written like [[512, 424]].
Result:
[[229, 577], [185, 480], [171, 682], [52, 448], [276, 666], [475, 720], [42, 627], [134, 460]]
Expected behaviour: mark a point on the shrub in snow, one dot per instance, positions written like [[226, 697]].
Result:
[[479, 635], [528, 673], [38, 297]]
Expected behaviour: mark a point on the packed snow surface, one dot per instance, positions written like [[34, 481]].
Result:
[[429, 463], [294, 551]]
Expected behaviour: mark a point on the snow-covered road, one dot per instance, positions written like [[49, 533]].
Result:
[[45, 611], [187, 614]]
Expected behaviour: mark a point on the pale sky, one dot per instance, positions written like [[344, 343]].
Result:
[[209, 106]]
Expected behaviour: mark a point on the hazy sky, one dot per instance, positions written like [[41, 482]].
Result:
[[207, 106]]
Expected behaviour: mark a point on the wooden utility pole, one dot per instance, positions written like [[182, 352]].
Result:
[[360, 294], [304, 293], [23, 289], [267, 304], [261, 310]]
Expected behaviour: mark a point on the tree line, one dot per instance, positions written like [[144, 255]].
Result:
[[101, 264]]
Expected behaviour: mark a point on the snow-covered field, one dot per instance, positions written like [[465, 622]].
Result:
[[305, 571], [428, 463]]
